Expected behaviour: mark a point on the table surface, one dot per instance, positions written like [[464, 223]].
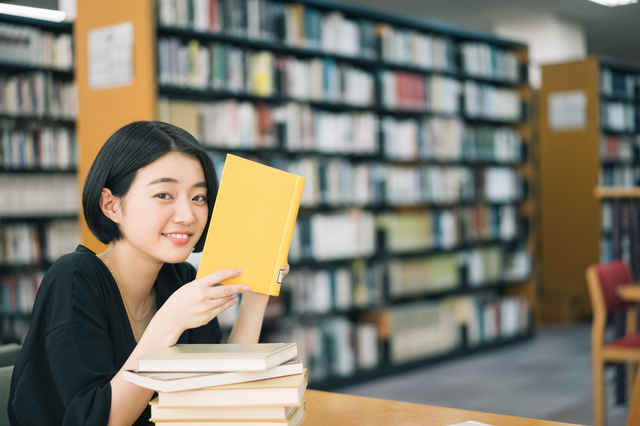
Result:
[[333, 409]]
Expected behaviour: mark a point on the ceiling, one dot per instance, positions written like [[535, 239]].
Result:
[[613, 32]]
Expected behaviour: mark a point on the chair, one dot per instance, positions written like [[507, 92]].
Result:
[[603, 280], [8, 355]]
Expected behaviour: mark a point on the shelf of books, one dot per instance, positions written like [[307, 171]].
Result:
[[413, 238], [588, 206], [38, 217]]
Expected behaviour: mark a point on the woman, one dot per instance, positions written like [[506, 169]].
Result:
[[149, 194]]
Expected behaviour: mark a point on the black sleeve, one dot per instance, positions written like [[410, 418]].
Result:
[[63, 373]]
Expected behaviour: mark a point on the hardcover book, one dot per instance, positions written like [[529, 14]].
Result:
[[282, 391], [217, 357], [174, 382], [252, 224]]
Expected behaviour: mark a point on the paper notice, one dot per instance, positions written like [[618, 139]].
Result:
[[567, 110], [111, 56]]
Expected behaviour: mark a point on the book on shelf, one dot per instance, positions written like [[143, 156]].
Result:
[[281, 391], [252, 224], [217, 357], [176, 381], [271, 413], [295, 417]]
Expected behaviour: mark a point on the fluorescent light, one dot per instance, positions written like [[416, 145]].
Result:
[[612, 3], [32, 12]]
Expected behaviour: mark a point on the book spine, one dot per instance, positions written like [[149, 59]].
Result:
[[281, 260]]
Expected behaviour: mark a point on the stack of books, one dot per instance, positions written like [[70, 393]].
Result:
[[224, 384]]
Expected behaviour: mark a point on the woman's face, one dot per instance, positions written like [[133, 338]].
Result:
[[163, 214]]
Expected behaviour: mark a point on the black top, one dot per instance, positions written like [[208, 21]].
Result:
[[79, 338]]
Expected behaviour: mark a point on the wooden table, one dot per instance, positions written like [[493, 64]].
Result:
[[334, 409]]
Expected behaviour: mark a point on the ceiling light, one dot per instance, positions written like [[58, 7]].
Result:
[[614, 2], [32, 12]]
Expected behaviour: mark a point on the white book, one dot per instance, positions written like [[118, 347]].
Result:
[[294, 419], [282, 391], [174, 382], [217, 357], [272, 413]]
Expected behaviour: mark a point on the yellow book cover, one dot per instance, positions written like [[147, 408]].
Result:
[[252, 224]]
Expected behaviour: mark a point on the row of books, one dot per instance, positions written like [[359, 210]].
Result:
[[334, 236], [618, 116], [224, 384], [332, 347], [447, 228], [439, 94], [416, 276], [484, 60], [417, 92], [29, 45], [38, 94], [619, 175], [221, 66], [483, 101], [356, 233], [19, 293], [306, 26], [37, 146], [335, 347], [414, 48], [61, 237], [414, 185], [436, 138], [618, 147], [618, 84], [312, 291], [19, 244], [29, 243], [297, 127], [38, 195], [338, 289], [341, 183], [293, 126]]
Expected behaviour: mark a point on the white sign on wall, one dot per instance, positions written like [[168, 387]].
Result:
[[567, 110], [111, 56]]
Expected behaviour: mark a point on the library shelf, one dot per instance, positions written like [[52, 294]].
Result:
[[335, 383], [363, 62], [33, 136], [576, 214], [150, 90]]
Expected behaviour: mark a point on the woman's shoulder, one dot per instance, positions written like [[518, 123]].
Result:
[[80, 270]]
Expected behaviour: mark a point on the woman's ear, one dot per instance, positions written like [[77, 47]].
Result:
[[110, 205]]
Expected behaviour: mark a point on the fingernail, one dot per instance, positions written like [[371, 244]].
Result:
[[246, 288], [239, 271]]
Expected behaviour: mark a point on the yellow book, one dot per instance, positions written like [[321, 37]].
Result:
[[252, 224], [295, 415]]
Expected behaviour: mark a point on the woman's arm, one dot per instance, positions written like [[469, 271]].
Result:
[[193, 305], [248, 324]]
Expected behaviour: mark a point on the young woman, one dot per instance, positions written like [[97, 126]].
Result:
[[149, 194]]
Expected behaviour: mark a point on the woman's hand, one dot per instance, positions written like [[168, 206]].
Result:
[[198, 302]]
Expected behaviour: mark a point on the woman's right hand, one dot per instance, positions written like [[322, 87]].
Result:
[[198, 302]]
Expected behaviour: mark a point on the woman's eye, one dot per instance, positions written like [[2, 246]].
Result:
[[163, 196], [200, 198]]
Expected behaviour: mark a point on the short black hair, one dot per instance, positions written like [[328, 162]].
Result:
[[129, 149]]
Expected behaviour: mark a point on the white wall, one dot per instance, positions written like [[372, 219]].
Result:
[[550, 39]]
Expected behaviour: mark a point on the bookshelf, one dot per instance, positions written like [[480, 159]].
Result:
[[38, 220], [418, 209], [579, 193]]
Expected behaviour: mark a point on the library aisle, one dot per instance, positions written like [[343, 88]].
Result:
[[547, 377]]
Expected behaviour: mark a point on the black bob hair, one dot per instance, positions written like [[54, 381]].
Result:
[[129, 149]]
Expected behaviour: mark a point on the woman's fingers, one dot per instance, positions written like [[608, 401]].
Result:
[[222, 274]]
